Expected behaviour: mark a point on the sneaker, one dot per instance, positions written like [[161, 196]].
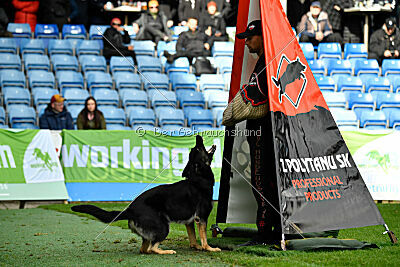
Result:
[[170, 58]]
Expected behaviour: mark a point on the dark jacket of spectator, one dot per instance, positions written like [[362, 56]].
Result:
[[54, 12], [170, 8], [3, 23], [217, 24], [323, 24], [223, 6], [193, 41], [56, 121], [190, 9], [151, 28], [380, 41], [26, 12], [98, 123], [116, 38], [79, 12], [336, 16]]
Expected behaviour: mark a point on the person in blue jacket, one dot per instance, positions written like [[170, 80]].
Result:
[[56, 116]]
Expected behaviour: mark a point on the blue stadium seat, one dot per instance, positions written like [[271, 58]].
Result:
[[36, 62], [75, 110], [32, 46], [216, 98], [93, 63], [64, 62], [349, 83], [390, 67], [75, 43], [16, 95], [317, 67], [2, 116], [388, 103], [46, 31], [360, 102], [113, 115], [217, 115], [181, 80], [145, 127], [40, 78], [168, 46], [12, 78], [395, 82], [118, 64], [163, 98], [42, 96], [106, 97], [334, 67], [335, 99], [25, 125], [377, 84], [154, 80], [222, 49], [329, 50], [73, 31], [227, 80], [76, 96], [176, 30], [190, 98], [99, 80], [366, 67], [127, 80], [326, 83], [143, 48], [141, 116], [224, 64], [200, 117], [353, 50], [373, 120], [149, 64], [345, 117], [8, 45], [21, 114], [133, 97], [69, 79], [10, 61], [179, 65], [211, 81], [394, 120], [88, 47], [60, 47], [130, 30], [308, 50], [188, 109], [20, 30], [170, 115], [96, 31]]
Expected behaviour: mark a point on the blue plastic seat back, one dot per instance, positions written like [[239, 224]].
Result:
[[166, 46], [10, 61], [222, 49], [149, 64], [350, 83], [211, 81], [390, 67], [60, 47], [308, 50], [338, 67], [93, 63], [121, 64], [373, 120], [163, 98], [12, 78], [377, 84], [366, 66], [394, 119], [76, 96], [20, 29], [335, 99], [200, 116], [88, 47], [139, 115], [8, 45], [106, 97], [345, 117], [133, 97], [169, 115], [353, 50], [224, 64], [21, 114], [97, 31], [46, 31], [70, 79], [190, 98], [179, 65], [40, 78], [64, 62], [16, 95], [326, 83], [2, 116], [329, 50], [154, 80], [73, 31], [125, 80], [317, 66], [143, 47], [36, 62], [32, 46], [42, 95], [113, 115], [181, 80], [176, 30]]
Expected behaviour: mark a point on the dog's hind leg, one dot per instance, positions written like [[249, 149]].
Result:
[[203, 237], [192, 236], [157, 250], [145, 249]]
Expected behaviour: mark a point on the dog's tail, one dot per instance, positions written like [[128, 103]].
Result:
[[102, 215]]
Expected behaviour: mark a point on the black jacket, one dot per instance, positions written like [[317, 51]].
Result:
[[193, 41], [116, 38], [216, 22], [380, 41], [56, 121], [160, 23], [54, 12], [186, 11], [223, 7]]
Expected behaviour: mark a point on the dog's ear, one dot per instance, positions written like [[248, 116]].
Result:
[[199, 141]]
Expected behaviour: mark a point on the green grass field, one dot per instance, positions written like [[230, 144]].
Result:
[[55, 236]]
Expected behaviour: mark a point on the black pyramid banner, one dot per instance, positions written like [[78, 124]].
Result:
[[320, 186]]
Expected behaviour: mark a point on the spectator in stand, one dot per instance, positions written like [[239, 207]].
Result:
[[79, 12], [90, 118], [3, 24], [223, 6], [26, 12], [152, 24], [212, 23], [56, 116], [114, 41], [54, 12], [169, 8], [317, 28], [192, 43], [385, 42], [189, 9]]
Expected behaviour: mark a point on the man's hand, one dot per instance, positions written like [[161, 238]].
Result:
[[170, 23], [319, 36], [207, 46], [166, 38], [396, 53], [218, 34], [120, 29], [336, 7], [135, 27], [130, 47], [183, 23], [208, 31], [387, 53]]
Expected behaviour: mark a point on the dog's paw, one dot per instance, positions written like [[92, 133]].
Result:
[[208, 248], [196, 246]]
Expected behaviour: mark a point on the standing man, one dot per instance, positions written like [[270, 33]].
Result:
[[56, 115], [385, 42], [263, 174]]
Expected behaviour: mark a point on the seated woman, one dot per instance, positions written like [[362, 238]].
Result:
[[90, 118]]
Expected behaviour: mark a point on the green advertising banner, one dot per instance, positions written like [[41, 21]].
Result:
[[29, 166], [131, 156]]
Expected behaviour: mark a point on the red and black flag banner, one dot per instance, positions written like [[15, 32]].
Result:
[[320, 187]]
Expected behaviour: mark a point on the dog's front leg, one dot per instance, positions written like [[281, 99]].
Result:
[[203, 237], [192, 236]]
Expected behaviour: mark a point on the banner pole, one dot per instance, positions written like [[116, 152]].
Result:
[[391, 235]]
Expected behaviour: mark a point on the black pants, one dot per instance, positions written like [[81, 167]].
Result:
[[108, 53], [263, 177], [331, 38], [191, 54], [147, 32]]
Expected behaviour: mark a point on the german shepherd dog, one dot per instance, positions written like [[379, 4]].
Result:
[[184, 202]]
